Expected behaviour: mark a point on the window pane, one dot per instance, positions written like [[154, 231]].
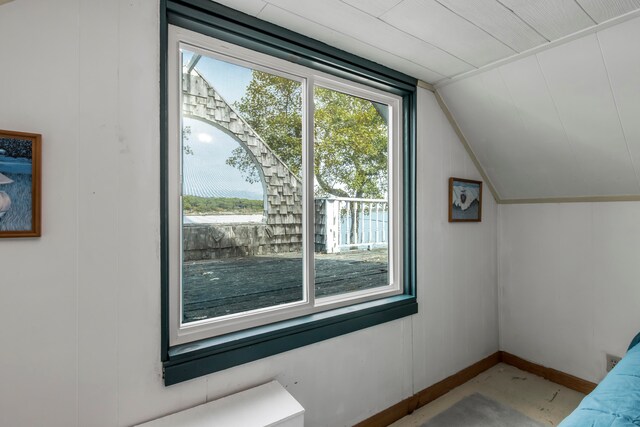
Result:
[[242, 192], [351, 191]]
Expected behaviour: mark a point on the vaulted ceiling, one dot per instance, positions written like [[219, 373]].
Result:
[[564, 122], [546, 93], [435, 39]]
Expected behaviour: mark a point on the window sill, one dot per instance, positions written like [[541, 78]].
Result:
[[204, 357]]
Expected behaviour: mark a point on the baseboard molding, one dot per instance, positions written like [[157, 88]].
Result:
[[391, 414], [429, 394], [558, 377], [443, 387]]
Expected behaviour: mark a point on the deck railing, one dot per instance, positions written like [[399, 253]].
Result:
[[352, 223]]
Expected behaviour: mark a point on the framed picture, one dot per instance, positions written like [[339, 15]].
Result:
[[465, 200], [19, 184]]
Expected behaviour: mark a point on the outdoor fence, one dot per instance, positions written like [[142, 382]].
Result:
[[349, 223], [341, 224]]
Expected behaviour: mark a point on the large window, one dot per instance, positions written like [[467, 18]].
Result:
[[286, 194], [283, 191]]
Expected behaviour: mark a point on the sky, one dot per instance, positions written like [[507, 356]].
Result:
[[230, 80], [205, 172]]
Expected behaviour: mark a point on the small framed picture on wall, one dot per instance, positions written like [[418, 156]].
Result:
[[465, 200], [19, 184]]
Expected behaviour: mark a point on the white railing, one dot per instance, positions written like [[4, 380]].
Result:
[[352, 223]]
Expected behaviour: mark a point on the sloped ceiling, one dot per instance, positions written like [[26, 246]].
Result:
[[561, 123], [434, 40], [545, 93]]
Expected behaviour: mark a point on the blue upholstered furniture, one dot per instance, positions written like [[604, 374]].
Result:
[[616, 400]]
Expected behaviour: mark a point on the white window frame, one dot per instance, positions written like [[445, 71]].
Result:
[[180, 333]]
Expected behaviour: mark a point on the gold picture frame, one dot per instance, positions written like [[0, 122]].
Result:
[[20, 184]]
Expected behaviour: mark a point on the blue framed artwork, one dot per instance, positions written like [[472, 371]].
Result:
[[465, 200], [19, 184]]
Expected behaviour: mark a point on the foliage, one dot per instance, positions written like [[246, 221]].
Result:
[[194, 205], [186, 135], [273, 108], [351, 137], [350, 154]]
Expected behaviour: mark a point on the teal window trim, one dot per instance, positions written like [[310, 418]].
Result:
[[221, 22], [192, 360], [188, 361]]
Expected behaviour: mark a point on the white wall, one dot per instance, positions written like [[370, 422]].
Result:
[[458, 320], [80, 307], [569, 287]]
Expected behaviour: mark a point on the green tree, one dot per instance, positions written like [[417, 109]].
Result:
[[186, 136], [351, 137], [350, 151], [273, 108]]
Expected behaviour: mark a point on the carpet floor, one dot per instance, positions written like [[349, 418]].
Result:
[[476, 410], [540, 400]]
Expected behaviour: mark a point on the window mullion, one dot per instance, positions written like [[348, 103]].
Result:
[[308, 227], [202, 346]]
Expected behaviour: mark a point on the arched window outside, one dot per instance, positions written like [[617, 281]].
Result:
[[214, 191]]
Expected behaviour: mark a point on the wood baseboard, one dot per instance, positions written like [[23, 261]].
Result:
[[558, 377], [443, 387], [429, 394]]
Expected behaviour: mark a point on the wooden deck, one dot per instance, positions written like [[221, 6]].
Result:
[[226, 286]]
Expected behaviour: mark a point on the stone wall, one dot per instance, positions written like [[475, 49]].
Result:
[[283, 189], [215, 241]]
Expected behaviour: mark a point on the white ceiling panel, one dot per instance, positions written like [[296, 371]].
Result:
[[437, 25], [434, 40], [561, 123], [603, 10], [465, 99], [623, 64], [579, 86], [250, 7], [352, 22], [551, 18], [334, 38], [504, 127], [498, 21], [549, 159], [373, 7]]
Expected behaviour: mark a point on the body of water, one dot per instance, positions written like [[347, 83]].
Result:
[[11, 165], [18, 217]]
